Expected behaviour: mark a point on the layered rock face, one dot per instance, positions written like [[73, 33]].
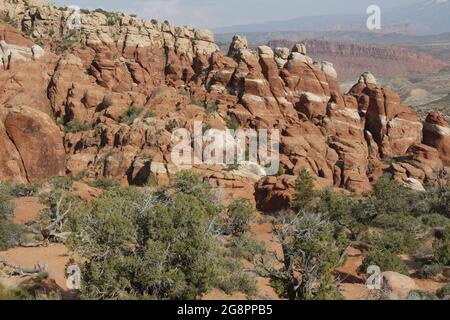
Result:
[[351, 58], [436, 133], [118, 87]]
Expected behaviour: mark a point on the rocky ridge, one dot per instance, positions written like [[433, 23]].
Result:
[[387, 60], [101, 101]]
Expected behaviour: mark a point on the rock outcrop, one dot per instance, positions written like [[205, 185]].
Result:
[[436, 133], [33, 146], [350, 58], [119, 86]]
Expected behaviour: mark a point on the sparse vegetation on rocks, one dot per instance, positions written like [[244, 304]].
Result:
[[131, 114]]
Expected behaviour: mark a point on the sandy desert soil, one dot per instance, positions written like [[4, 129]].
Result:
[[26, 209]]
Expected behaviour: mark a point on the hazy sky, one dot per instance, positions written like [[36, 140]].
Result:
[[217, 13]]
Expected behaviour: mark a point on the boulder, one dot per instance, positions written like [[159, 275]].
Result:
[[396, 285], [436, 133], [38, 142]]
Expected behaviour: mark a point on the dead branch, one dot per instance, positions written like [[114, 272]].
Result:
[[21, 271]]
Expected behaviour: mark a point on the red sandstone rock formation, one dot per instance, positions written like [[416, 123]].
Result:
[[167, 76], [350, 58]]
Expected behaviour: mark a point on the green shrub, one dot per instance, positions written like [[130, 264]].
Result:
[[9, 232], [212, 107], [172, 125], [25, 190], [64, 183], [238, 281], [421, 295], [233, 122], [105, 184], [311, 251], [346, 211], [430, 271], [150, 114], [240, 214], [435, 220], [10, 21], [304, 193], [444, 292], [232, 167], [6, 206], [68, 41], [398, 242], [441, 248], [181, 91], [387, 261], [76, 126], [130, 115], [371, 169], [392, 198], [206, 128], [246, 247], [195, 101], [105, 12], [161, 245]]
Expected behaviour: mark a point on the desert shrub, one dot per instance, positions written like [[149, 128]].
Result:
[[67, 42], [25, 190], [438, 196], [233, 122], [76, 126], [206, 128], [152, 181], [161, 245], [387, 261], [8, 293], [35, 291], [311, 251], [12, 293], [236, 279], [60, 203], [246, 247], [435, 220], [171, 125], [105, 12], [150, 114], [240, 213], [9, 233], [182, 91], [430, 270], [411, 227], [441, 248], [348, 212], [211, 107], [130, 115], [398, 242], [6, 206], [420, 295], [195, 101], [105, 184], [304, 193], [443, 292], [392, 198], [232, 167], [8, 20], [64, 183], [372, 168]]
